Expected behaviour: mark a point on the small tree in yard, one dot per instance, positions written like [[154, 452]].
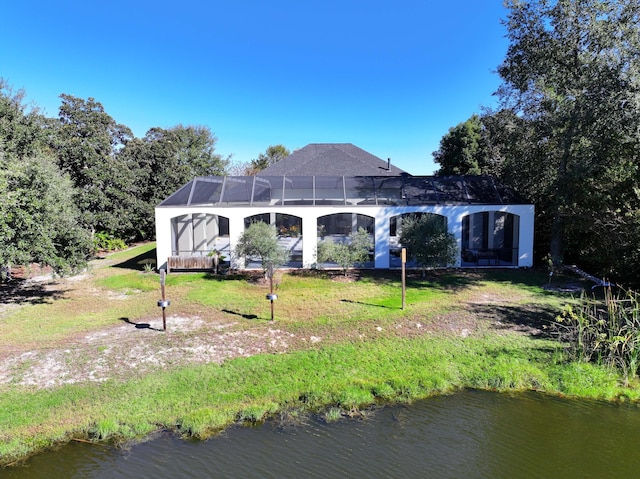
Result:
[[260, 240], [356, 250], [428, 241]]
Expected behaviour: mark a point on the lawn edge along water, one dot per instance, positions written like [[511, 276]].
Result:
[[199, 401]]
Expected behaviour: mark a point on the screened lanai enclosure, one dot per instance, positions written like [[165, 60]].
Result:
[[493, 226]]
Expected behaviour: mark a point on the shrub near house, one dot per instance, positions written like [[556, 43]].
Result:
[[346, 254]]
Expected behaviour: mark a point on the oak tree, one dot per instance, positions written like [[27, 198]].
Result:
[[87, 141], [571, 80], [463, 150]]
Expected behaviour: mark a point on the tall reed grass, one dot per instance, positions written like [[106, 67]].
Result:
[[603, 330]]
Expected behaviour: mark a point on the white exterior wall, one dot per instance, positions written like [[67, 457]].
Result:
[[310, 214]]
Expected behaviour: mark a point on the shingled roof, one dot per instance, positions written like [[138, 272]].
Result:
[[329, 159]]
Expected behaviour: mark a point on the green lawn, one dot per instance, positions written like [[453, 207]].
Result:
[[459, 330]]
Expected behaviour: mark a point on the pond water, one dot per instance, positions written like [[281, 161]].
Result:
[[471, 434]]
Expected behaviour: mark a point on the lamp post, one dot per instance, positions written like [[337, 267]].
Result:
[[163, 303], [271, 296], [403, 256]]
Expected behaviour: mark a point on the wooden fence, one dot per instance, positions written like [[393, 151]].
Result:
[[189, 262]]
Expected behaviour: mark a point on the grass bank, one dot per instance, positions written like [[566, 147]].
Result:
[[460, 330]]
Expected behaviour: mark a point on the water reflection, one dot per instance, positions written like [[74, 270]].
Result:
[[471, 434]]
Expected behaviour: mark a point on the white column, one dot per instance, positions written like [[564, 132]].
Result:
[[236, 228], [382, 233], [525, 246], [163, 237], [309, 238]]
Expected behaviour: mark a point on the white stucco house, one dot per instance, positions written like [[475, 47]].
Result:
[[327, 191]]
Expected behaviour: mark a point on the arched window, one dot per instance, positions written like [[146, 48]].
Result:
[[198, 234], [395, 225], [490, 238], [338, 227], [289, 230], [343, 224]]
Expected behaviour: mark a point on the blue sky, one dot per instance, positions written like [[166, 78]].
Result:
[[389, 77]]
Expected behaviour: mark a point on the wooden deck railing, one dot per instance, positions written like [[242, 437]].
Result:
[[189, 262]]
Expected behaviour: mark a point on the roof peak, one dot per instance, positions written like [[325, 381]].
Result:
[[322, 159]]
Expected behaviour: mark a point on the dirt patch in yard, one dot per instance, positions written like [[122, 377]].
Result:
[[135, 348], [132, 348]]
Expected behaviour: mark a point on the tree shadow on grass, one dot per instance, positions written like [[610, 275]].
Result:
[[245, 316], [139, 325], [531, 319], [27, 292], [226, 276], [444, 279], [137, 263], [366, 304], [441, 278]]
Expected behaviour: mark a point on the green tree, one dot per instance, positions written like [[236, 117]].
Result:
[[271, 156], [164, 160], [428, 241], [87, 142], [346, 254], [38, 217], [572, 77], [260, 240], [194, 147], [21, 128], [510, 144], [463, 150]]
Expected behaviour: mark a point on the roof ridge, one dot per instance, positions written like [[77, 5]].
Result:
[[331, 158]]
